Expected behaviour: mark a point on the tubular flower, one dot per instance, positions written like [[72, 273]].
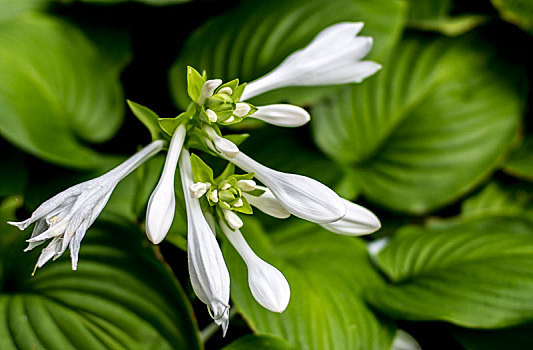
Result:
[[267, 284], [162, 203], [207, 269], [66, 217], [333, 57]]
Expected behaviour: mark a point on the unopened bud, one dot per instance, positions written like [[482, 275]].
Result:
[[246, 185], [199, 189], [208, 89], [238, 203], [229, 120], [213, 196], [241, 109], [225, 186], [226, 90], [234, 221], [211, 115]]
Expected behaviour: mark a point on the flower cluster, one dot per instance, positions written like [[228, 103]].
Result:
[[333, 57]]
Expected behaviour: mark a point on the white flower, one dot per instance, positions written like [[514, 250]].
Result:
[[333, 57], [404, 341], [301, 196], [222, 145], [357, 221], [241, 109], [282, 115], [267, 284], [208, 89], [162, 203], [66, 217], [207, 269], [267, 203]]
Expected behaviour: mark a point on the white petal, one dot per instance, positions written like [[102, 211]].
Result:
[[329, 58], [213, 196], [198, 189], [357, 221], [208, 89], [302, 196], [267, 203], [267, 284], [211, 115], [162, 203], [282, 115], [208, 272], [222, 145], [226, 90], [375, 247]]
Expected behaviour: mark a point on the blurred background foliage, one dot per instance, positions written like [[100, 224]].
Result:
[[439, 144]]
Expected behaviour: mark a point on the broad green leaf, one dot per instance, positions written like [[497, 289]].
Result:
[[121, 297], [56, 92], [252, 39], [476, 273], [516, 338], [427, 128], [259, 342], [499, 199], [519, 12], [520, 164], [14, 8], [327, 274], [428, 9], [146, 2]]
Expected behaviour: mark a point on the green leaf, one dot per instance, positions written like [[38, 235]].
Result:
[[499, 199], [201, 171], [253, 38], [146, 2], [122, 297], [148, 117], [195, 82], [13, 171], [475, 273], [427, 128], [519, 12], [520, 164], [10, 8], [56, 92], [327, 274], [259, 342]]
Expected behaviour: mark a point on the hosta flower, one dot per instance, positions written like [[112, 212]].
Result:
[[333, 57], [66, 217], [357, 221], [267, 284], [207, 269], [282, 115], [162, 203], [300, 195], [267, 203]]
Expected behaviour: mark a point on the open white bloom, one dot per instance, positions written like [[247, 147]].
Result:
[[333, 57], [267, 284], [282, 115], [66, 217], [300, 195], [357, 221], [207, 269], [162, 203]]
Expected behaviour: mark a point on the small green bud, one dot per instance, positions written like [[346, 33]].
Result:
[[226, 196]]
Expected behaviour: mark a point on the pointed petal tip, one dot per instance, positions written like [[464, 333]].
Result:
[[21, 225]]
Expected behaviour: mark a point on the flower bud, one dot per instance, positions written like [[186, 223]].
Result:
[[226, 90], [213, 196], [198, 189], [234, 221], [246, 185], [242, 109], [208, 89], [211, 115]]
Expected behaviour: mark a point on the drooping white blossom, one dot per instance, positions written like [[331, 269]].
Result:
[[300, 195], [66, 217], [162, 203], [207, 269], [333, 57], [267, 284], [282, 115]]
